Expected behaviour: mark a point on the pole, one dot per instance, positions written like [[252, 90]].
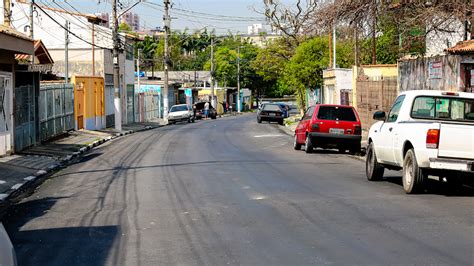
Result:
[[93, 49], [213, 103], [7, 13], [66, 53], [117, 105], [374, 29], [357, 49], [32, 6], [334, 46], [138, 78], [166, 19], [238, 80]]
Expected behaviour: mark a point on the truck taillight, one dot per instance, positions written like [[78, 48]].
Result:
[[432, 139]]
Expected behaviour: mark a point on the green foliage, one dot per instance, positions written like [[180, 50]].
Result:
[[124, 27]]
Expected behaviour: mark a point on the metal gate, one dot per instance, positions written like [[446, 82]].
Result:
[[25, 117], [56, 109], [6, 110], [374, 95]]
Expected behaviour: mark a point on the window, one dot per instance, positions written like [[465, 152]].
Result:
[[431, 107], [393, 115], [271, 107], [337, 113], [178, 108], [309, 113]]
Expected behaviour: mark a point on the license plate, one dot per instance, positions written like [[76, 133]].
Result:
[[336, 131]]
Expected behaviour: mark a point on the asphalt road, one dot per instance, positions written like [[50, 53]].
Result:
[[231, 191]]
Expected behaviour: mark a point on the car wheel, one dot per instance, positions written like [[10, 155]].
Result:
[[308, 146], [413, 176], [259, 120], [296, 145], [373, 169], [280, 122]]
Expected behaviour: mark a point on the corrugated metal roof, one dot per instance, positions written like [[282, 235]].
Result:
[[465, 47]]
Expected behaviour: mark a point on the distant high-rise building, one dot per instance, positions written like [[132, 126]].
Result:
[[131, 19], [255, 29]]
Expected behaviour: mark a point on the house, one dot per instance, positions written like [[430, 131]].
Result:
[[89, 50], [11, 43], [449, 72], [337, 86]]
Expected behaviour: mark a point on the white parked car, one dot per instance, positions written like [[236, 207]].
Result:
[[7, 253], [425, 133], [180, 112]]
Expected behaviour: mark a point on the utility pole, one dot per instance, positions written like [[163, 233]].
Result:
[[238, 80], [212, 72], [334, 46], [115, 55], [7, 13], [32, 9], [374, 29], [138, 79], [66, 53], [93, 49], [166, 19]]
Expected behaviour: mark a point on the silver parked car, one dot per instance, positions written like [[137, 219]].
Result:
[[7, 252]]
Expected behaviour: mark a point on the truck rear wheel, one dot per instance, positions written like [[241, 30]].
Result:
[[413, 176], [373, 169]]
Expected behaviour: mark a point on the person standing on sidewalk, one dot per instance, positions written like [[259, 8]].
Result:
[[206, 110]]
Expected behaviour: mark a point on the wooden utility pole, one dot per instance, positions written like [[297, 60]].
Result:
[[213, 103], [374, 32], [7, 13], [166, 19]]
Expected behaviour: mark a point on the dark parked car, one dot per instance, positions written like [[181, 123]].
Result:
[[271, 112], [329, 126], [200, 111]]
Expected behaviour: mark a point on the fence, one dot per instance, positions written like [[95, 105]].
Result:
[[375, 95], [56, 110], [149, 106]]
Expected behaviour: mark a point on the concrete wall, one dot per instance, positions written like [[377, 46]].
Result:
[[80, 61]]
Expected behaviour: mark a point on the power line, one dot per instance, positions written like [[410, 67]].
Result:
[[70, 32]]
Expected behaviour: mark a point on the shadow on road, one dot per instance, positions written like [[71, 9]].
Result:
[[82, 245], [434, 187]]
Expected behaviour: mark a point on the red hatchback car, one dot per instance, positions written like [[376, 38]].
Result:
[[329, 126]]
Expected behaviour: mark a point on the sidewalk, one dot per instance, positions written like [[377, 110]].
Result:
[[21, 172]]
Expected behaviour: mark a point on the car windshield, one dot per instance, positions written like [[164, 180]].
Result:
[[337, 113], [272, 107], [178, 108]]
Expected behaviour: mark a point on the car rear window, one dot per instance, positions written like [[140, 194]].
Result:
[[272, 107], [336, 113], [441, 108]]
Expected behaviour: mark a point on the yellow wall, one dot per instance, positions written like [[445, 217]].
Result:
[[92, 99], [372, 72], [220, 94]]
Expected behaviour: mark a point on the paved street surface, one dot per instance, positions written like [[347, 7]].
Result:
[[230, 191]]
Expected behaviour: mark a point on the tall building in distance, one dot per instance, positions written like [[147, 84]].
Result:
[[255, 29], [131, 19]]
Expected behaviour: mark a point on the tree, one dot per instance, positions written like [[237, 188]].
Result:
[[124, 27], [149, 48]]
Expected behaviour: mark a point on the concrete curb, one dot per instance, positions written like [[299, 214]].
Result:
[[14, 194]]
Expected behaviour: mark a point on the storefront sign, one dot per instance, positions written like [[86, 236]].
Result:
[[435, 70]]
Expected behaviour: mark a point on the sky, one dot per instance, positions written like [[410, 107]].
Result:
[[227, 15]]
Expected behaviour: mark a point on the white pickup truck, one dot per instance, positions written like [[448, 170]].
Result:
[[426, 133]]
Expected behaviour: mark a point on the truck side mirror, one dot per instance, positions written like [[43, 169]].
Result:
[[380, 116]]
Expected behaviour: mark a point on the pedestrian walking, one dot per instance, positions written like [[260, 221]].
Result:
[[206, 110], [194, 111]]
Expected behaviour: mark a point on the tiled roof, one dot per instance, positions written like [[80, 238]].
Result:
[[465, 47], [12, 32]]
